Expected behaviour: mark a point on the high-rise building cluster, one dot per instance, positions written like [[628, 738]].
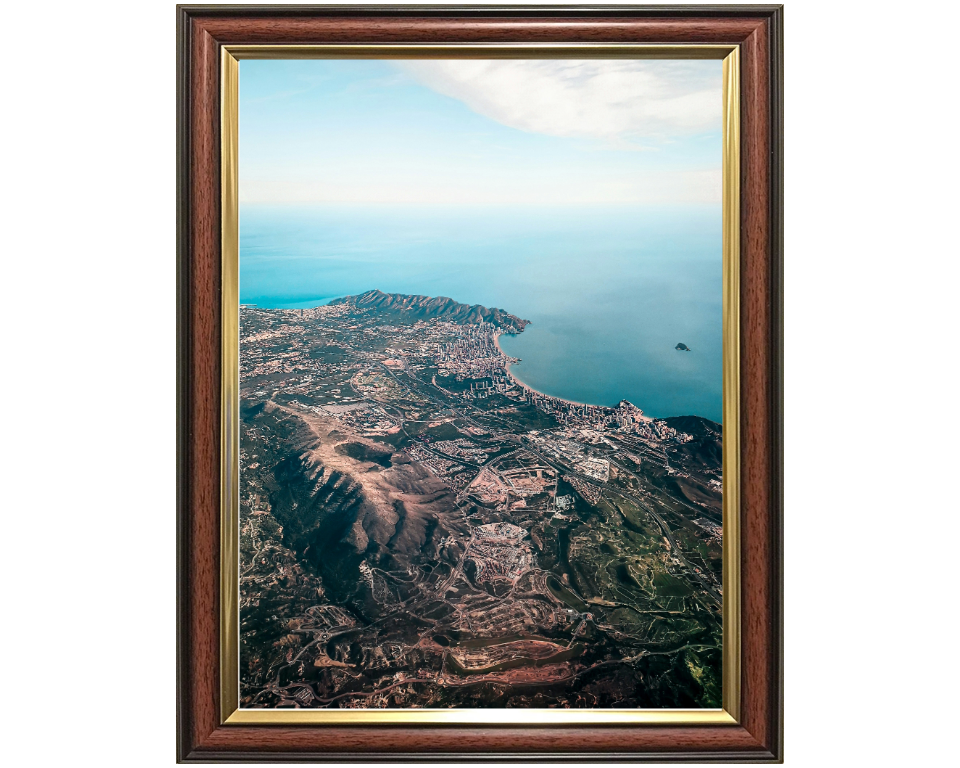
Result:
[[475, 354]]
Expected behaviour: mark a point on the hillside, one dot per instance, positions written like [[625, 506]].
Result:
[[697, 426], [428, 306]]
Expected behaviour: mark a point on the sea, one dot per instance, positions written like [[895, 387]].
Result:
[[610, 291]]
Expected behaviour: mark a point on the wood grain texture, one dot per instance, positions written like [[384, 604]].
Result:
[[754, 387], [201, 33], [487, 30], [199, 391]]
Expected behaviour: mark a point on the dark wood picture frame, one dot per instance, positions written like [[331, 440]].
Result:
[[201, 33]]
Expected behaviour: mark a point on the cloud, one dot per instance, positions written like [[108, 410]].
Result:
[[607, 99]]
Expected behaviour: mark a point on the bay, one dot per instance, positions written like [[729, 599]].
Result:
[[609, 291]]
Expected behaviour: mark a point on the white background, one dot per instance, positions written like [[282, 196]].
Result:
[[88, 361]]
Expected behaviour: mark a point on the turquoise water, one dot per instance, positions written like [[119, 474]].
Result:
[[610, 291]]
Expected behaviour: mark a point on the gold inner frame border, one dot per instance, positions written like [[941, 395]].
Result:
[[230, 711]]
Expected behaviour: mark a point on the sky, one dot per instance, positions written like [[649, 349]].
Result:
[[480, 132]]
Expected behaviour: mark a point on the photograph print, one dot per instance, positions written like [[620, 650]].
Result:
[[481, 355]]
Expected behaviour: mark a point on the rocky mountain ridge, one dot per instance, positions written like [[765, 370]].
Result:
[[433, 306]]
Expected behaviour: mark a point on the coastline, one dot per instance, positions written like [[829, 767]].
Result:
[[542, 399], [524, 386], [303, 304]]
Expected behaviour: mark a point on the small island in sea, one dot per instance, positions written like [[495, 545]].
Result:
[[419, 528], [682, 347]]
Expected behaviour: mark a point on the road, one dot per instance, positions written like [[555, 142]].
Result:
[[642, 504], [556, 465]]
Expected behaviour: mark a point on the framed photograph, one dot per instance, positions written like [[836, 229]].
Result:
[[479, 449]]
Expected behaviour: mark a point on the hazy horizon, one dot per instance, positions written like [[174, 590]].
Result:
[[549, 132]]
